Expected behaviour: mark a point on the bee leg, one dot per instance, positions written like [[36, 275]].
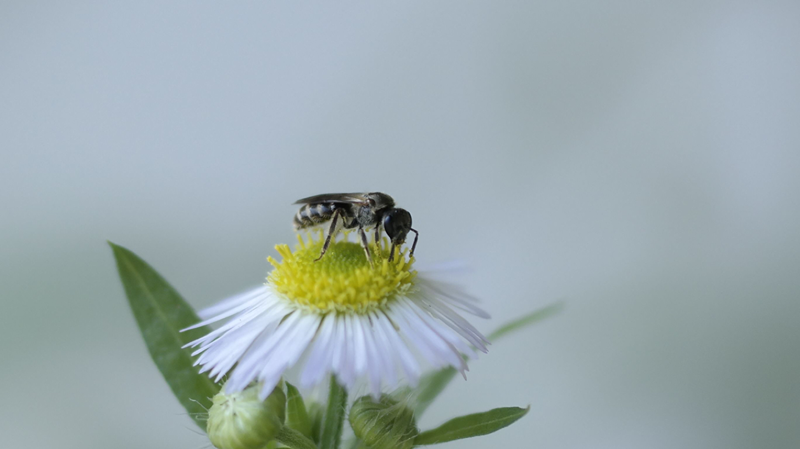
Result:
[[414, 245], [391, 253], [331, 233], [365, 244], [377, 233]]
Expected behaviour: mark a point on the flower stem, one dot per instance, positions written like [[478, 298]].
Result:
[[294, 439], [334, 416]]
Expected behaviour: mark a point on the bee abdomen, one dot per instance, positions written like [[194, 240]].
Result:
[[313, 214]]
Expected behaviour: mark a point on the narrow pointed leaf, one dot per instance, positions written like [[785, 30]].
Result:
[[432, 384], [334, 416], [526, 320], [161, 313], [473, 425], [316, 415], [296, 414]]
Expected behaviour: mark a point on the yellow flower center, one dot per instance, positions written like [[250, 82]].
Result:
[[343, 279]]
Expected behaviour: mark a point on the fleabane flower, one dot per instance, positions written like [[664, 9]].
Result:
[[338, 315]]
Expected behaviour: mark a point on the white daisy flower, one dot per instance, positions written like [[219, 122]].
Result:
[[341, 316]]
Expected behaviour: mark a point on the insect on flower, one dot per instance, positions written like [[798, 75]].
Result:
[[356, 210], [342, 317]]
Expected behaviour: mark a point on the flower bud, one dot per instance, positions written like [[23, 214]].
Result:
[[243, 421], [385, 424]]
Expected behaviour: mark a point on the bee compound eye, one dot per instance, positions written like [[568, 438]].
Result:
[[397, 223], [388, 225]]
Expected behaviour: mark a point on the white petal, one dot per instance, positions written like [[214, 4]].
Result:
[[292, 347], [359, 348], [235, 346], [232, 302], [453, 294], [347, 371], [374, 363], [415, 331], [220, 354], [257, 355], [447, 334], [260, 311], [454, 321], [339, 337], [441, 339], [317, 364], [407, 361], [230, 312], [385, 349]]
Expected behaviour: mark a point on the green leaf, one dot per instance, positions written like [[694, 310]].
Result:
[[296, 414], [316, 415], [526, 320], [293, 439], [473, 425], [334, 416], [161, 313], [432, 384]]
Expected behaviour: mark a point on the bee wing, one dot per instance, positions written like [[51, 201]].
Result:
[[353, 198]]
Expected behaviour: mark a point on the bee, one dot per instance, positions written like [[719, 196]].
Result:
[[356, 210]]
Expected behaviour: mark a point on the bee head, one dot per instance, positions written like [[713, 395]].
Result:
[[397, 223]]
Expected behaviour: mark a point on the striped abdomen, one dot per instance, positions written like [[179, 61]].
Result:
[[314, 214]]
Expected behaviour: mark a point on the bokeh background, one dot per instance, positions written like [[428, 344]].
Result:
[[639, 160]]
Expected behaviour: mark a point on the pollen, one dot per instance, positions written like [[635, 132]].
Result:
[[343, 280]]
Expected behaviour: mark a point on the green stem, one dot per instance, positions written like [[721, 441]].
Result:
[[334, 416], [294, 439]]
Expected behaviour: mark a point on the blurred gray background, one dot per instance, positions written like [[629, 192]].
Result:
[[638, 159]]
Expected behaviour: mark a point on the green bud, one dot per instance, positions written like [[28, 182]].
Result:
[[385, 424], [242, 421]]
